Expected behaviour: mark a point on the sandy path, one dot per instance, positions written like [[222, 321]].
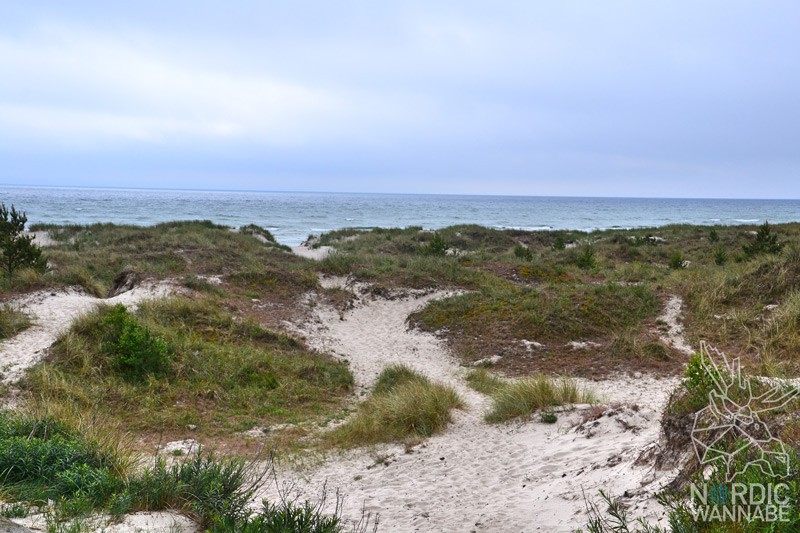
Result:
[[673, 336], [52, 313], [480, 477]]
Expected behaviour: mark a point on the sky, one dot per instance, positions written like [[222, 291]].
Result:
[[577, 98]]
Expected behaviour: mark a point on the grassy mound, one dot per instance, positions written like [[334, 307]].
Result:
[[184, 361], [404, 404], [523, 397]]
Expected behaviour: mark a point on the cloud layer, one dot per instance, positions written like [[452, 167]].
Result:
[[594, 98]]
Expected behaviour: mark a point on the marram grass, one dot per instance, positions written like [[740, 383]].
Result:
[[404, 405]]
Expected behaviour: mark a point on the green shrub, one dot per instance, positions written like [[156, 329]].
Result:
[[523, 252], [713, 236], [586, 258], [284, 516], [720, 256], [676, 260], [548, 417], [395, 375], [41, 459], [135, 350], [765, 242], [18, 250], [436, 246]]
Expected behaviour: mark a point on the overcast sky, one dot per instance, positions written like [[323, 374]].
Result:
[[596, 98]]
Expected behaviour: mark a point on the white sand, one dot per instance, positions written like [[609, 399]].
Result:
[[673, 336], [145, 522], [42, 238], [53, 312], [476, 476], [317, 254]]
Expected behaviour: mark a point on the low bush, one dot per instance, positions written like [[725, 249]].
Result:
[[585, 259], [523, 252], [764, 242], [136, 352], [676, 261], [484, 381], [436, 246]]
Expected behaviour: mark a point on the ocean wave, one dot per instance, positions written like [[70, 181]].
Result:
[[746, 220]]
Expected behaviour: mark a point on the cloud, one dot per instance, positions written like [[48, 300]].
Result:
[[560, 96]]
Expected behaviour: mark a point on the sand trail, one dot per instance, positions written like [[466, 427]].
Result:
[[476, 476]]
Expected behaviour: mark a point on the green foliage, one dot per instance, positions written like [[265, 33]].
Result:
[[676, 260], [12, 321], [765, 242], [573, 312], [713, 236], [614, 518], [699, 382], [559, 243], [720, 256], [282, 517], [224, 374], [523, 397], [18, 250], [136, 352], [41, 459], [484, 381], [405, 404], [548, 417], [436, 246], [585, 259], [523, 252], [394, 376]]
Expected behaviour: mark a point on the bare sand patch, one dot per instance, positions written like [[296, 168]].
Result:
[[317, 254]]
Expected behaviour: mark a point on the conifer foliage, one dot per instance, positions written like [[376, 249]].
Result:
[[17, 250]]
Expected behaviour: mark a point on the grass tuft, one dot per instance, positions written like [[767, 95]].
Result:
[[12, 321], [405, 404], [522, 398]]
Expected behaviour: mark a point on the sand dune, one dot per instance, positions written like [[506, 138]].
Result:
[[480, 477]]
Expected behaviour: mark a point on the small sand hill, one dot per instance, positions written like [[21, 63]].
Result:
[[476, 476]]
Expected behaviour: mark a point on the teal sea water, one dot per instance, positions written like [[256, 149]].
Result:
[[293, 216]]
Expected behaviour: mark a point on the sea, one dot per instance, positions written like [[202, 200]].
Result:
[[293, 216]]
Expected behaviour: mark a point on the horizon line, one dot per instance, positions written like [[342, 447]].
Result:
[[173, 189]]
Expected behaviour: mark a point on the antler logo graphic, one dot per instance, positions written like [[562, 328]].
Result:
[[734, 417]]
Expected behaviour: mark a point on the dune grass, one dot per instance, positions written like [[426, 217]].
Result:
[[91, 256], [178, 362], [521, 398], [47, 463], [484, 381], [12, 321], [403, 405]]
